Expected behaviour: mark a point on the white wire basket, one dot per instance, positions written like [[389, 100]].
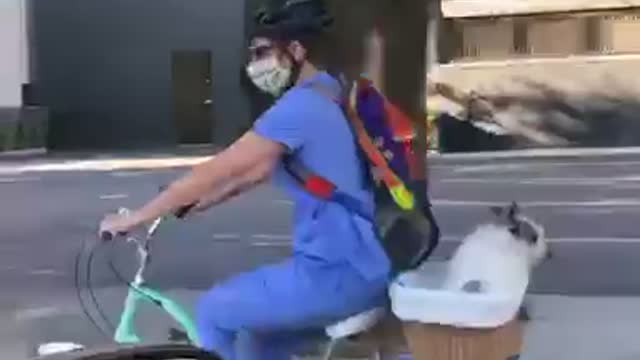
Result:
[[417, 296]]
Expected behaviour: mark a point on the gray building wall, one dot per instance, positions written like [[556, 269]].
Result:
[[13, 61], [103, 68]]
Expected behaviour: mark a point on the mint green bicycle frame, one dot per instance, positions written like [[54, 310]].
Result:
[[138, 292]]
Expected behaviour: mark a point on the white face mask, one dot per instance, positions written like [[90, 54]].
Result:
[[269, 76]]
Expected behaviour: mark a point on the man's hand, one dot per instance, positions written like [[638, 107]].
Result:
[[117, 224]]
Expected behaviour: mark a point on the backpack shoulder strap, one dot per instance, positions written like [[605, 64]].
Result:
[[318, 185], [401, 194]]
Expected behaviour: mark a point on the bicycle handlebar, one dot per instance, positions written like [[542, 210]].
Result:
[[179, 214], [107, 236], [184, 210]]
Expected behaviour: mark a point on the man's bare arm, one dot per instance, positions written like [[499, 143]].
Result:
[[231, 189], [247, 162]]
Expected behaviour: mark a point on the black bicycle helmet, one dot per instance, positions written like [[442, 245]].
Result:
[[291, 19]]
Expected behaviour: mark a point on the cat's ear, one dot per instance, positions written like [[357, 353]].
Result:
[[496, 210], [514, 209], [512, 213]]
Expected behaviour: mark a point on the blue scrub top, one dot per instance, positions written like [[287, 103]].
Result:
[[313, 127]]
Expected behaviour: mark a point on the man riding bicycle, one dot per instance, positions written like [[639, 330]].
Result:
[[338, 267]]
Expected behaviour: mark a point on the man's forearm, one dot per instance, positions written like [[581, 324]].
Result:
[[185, 191], [179, 194], [230, 190], [215, 185]]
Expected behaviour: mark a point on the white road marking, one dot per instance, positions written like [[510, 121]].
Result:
[[594, 240], [270, 244], [596, 203], [457, 239], [34, 313], [105, 164], [14, 180], [226, 236], [553, 181], [283, 202], [502, 167], [271, 237], [588, 211], [625, 186], [47, 272], [124, 174], [113, 196], [58, 347]]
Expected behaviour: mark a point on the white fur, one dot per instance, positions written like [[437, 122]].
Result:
[[498, 260]]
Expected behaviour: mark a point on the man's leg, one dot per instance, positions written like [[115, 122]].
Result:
[[277, 345], [212, 338], [255, 315], [273, 304]]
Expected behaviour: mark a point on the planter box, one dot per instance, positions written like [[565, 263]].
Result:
[[23, 128]]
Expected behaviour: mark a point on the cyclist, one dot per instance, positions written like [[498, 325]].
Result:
[[338, 267]]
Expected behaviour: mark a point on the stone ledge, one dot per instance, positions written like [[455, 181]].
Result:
[[485, 8]]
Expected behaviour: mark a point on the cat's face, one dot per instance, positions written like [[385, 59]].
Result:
[[524, 229]]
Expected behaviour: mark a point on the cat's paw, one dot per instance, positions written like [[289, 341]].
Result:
[[473, 286], [523, 313]]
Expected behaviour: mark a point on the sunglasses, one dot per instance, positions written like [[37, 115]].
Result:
[[260, 51]]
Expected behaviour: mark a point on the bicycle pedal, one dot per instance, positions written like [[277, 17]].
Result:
[[178, 335]]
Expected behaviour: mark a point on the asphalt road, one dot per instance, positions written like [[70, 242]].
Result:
[[590, 209]]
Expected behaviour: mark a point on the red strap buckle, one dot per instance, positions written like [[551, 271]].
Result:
[[320, 186]]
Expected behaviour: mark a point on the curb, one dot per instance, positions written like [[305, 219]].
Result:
[[15, 160], [539, 153], [14, 154]]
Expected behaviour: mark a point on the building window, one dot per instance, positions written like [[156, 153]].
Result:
[[549, 35]]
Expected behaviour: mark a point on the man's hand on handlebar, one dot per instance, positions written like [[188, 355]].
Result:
[[124, 222], [116, 224]]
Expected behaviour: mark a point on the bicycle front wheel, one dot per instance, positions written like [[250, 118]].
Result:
[[148, 352]]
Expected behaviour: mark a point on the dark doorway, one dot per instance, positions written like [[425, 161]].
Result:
[[192, 103]]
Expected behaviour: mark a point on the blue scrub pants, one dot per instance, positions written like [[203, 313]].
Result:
[[272, 312]]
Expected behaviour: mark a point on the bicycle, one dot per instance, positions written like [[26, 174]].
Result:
[[125, 332], [184, 344]]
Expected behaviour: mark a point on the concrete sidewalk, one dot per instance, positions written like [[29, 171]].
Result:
[[541, 153], [585, 328]]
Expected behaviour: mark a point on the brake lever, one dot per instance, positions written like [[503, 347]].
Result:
[[183, 210]]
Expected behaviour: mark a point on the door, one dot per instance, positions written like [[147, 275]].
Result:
[[192, 103]]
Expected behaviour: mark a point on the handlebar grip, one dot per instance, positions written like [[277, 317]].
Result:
[[108, 236], [182, 211]]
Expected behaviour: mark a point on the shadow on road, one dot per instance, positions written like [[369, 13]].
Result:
[[593, 118]]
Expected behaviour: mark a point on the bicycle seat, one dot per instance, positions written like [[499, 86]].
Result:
[[355, 324]]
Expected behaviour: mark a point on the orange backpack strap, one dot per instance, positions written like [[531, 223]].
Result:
[[401, 194], [366, 143]]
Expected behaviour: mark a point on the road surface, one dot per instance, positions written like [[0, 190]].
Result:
[[590, 208]]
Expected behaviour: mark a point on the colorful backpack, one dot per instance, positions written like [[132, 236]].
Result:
[[385, 135]]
